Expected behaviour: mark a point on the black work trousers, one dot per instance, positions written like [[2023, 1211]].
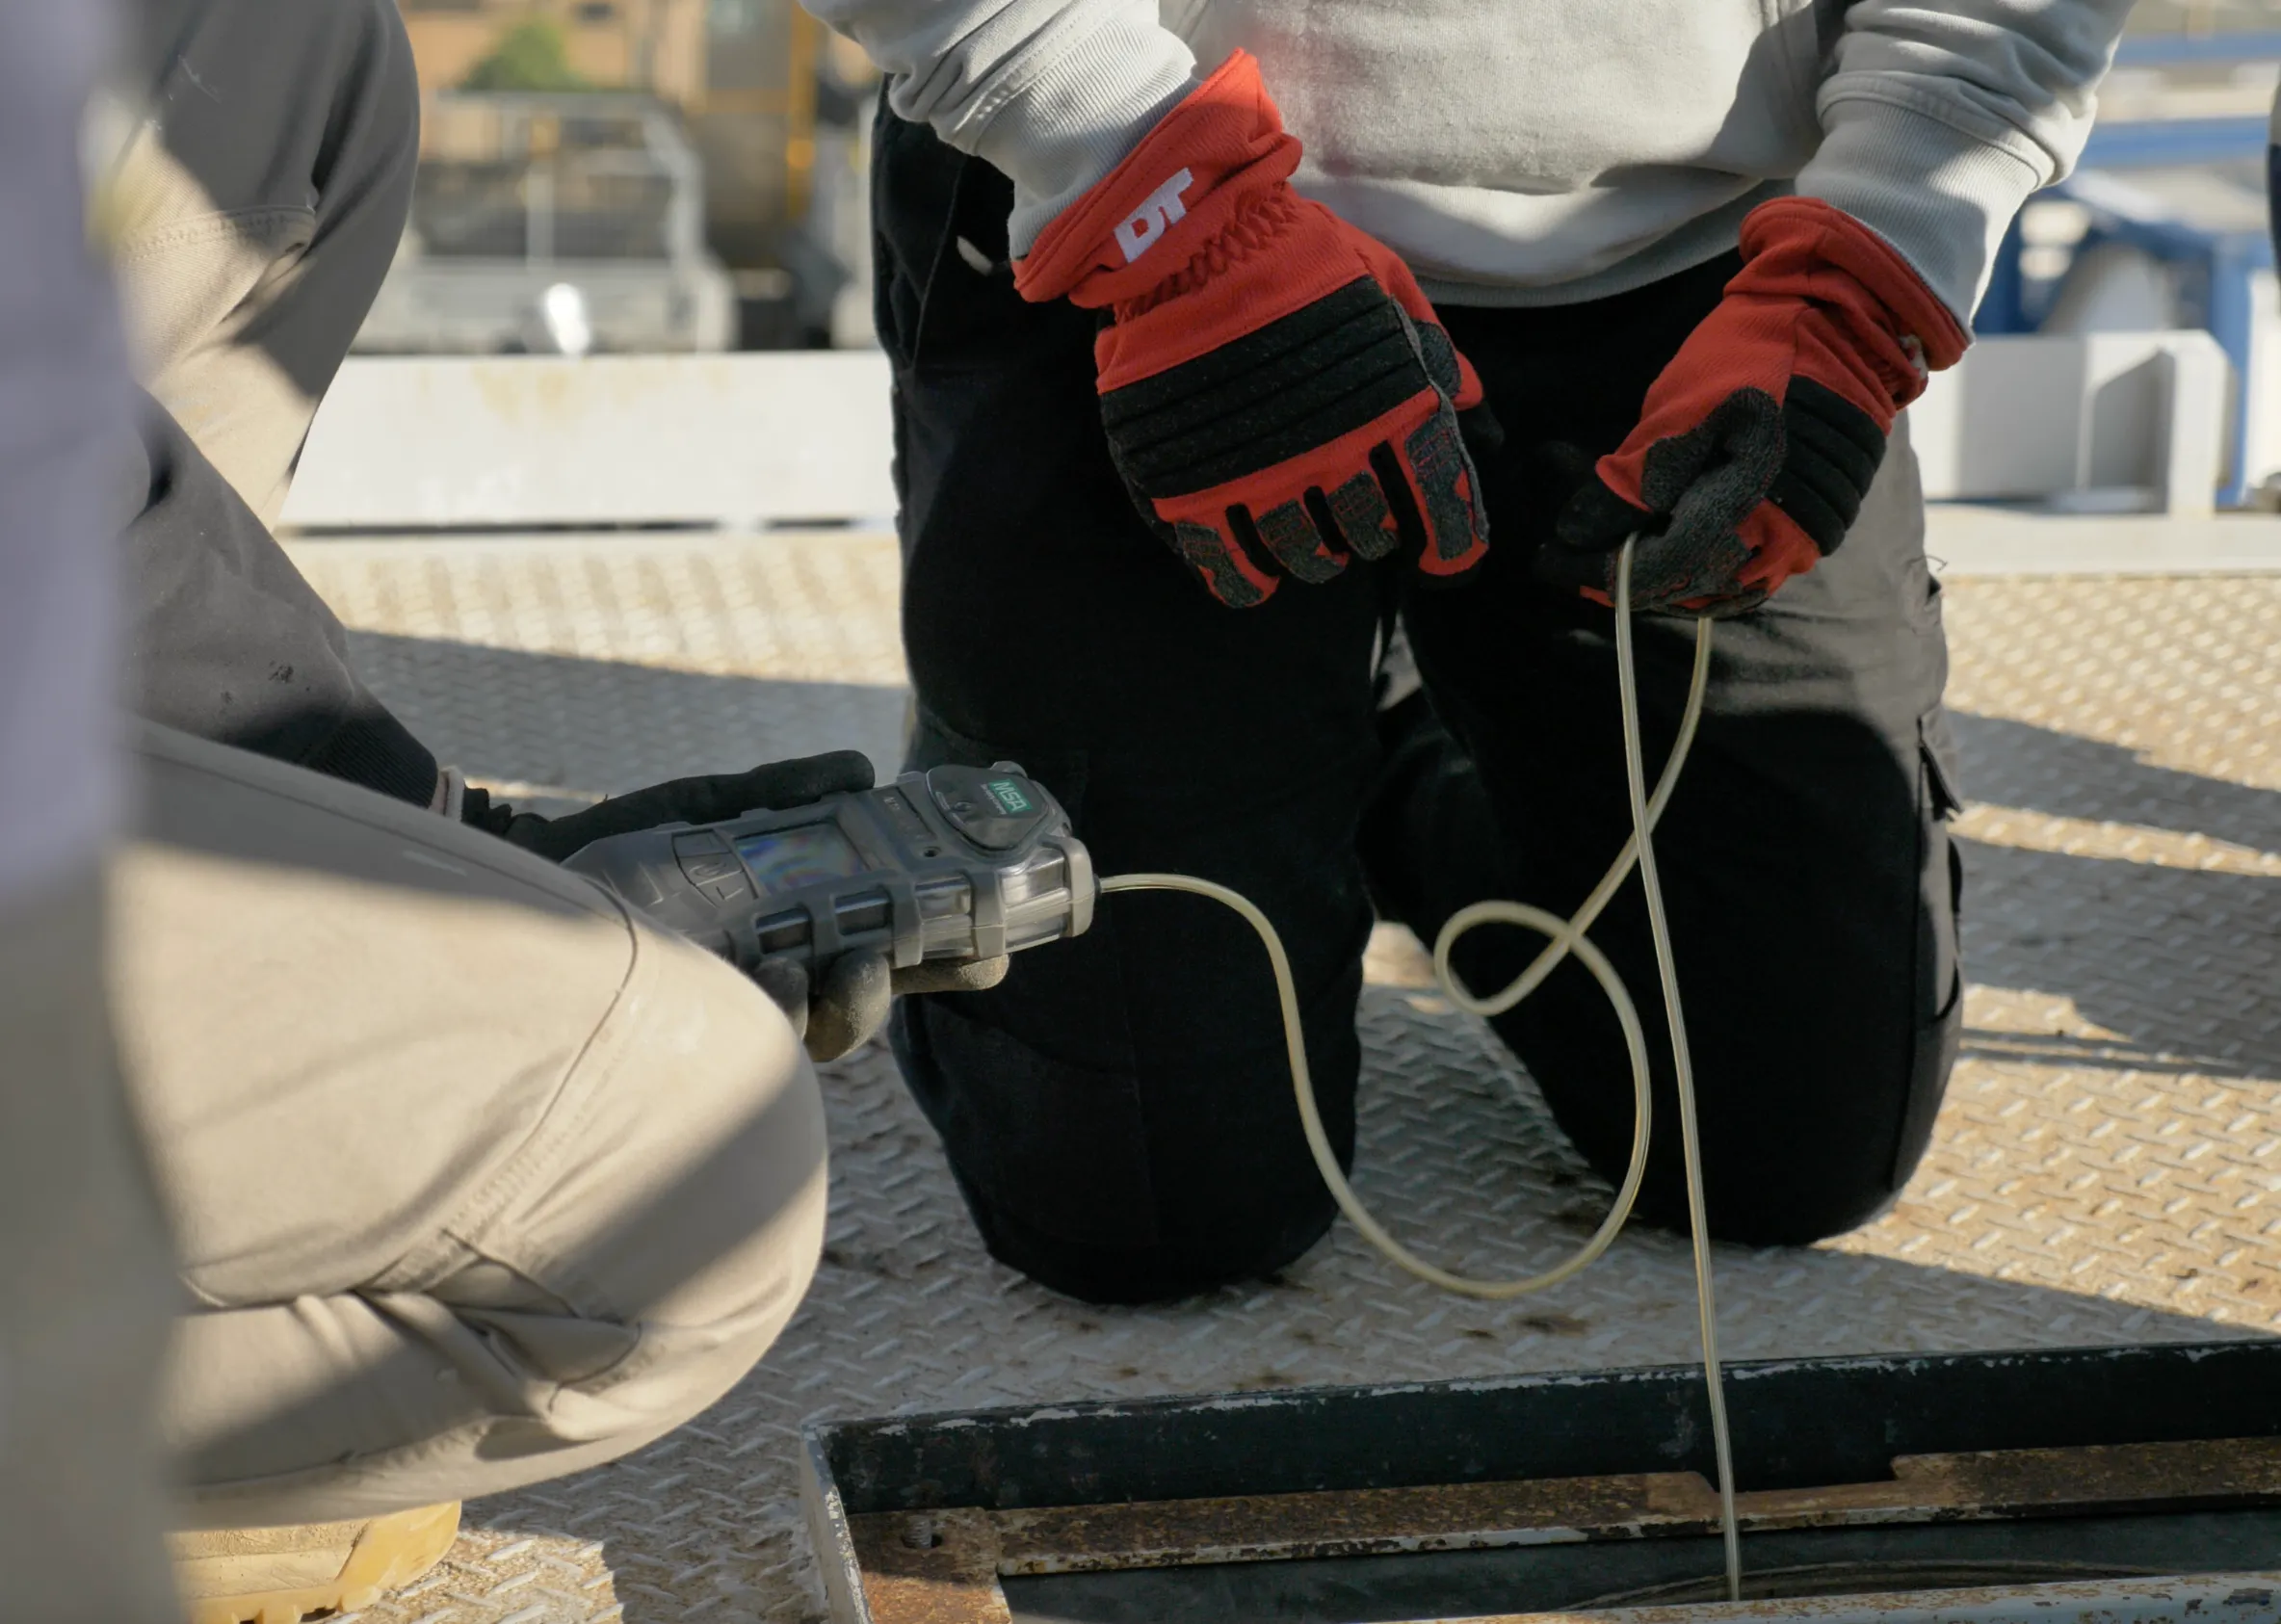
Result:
[[1118, 1113]]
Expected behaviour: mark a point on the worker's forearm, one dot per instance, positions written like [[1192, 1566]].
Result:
[[1053, 92], [1940, 121]]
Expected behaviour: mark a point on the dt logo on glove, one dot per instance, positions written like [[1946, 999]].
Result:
[[1159, 211], [1277, 393]]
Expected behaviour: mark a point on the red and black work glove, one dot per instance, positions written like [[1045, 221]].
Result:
[[1279, 394], [1758, 442]]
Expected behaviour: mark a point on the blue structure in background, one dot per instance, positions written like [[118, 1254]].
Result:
[[2213, 266]]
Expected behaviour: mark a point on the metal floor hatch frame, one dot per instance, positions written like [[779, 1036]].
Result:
[[2000, 1474]]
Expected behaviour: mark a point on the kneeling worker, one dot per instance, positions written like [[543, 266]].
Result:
[[1694, 256]]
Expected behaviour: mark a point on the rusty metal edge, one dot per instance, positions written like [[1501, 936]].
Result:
[[2214, 1598], [1352, 1522], [929, 1567], [1990, 1485]]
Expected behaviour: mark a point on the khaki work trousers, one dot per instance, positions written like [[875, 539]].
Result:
[[476, 1178], [255, 211]]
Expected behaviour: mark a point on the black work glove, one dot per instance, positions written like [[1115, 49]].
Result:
[[682, 800], [851, 1003]]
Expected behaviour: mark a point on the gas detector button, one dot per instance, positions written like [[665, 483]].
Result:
[[708, 864], [996, 809]]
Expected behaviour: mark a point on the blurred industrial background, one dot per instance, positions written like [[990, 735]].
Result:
[[661, 176], [682, 175]]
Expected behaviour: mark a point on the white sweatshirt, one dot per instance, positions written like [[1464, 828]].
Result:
[[1542, 151]]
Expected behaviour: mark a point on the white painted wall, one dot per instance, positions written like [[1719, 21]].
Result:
[[2261, 440], [2097, 421], [732, 440], [2115, 421]]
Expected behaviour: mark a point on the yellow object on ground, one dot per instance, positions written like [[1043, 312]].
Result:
[[283, 1575]]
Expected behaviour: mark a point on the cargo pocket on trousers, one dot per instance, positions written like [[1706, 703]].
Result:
[[1030, 1084], [1939, 981]]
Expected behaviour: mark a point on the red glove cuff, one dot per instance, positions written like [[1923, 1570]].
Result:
[[1219, 152], [1804, 248]]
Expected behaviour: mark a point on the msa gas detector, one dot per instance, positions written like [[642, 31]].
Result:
[[953, 864]]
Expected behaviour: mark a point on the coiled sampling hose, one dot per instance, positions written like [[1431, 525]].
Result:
[[1563, 937]]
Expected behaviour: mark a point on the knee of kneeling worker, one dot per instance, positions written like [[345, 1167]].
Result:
[[1115, 1187], [1775, 1212], [691, 1209], [1800, 1144], [1214, 1245], [1821, 1165], [1764, 1194]]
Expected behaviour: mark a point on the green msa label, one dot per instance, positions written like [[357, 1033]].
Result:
[[1007, 794]]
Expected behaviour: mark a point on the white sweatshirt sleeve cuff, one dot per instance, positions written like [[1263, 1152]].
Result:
[[1064, 128], [1941, 196]]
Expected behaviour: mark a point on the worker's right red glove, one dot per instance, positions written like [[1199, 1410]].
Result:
[[1278, 393], [1756, 446]]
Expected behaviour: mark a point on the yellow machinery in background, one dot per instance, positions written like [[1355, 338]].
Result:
[[769, 106]]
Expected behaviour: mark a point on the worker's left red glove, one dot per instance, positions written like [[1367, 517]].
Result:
[[1279, 394], [1758, 442]]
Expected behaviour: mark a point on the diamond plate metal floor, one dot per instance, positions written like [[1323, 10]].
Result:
[[2108, 1167]]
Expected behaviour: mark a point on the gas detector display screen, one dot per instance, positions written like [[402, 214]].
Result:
[[787, 859]]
